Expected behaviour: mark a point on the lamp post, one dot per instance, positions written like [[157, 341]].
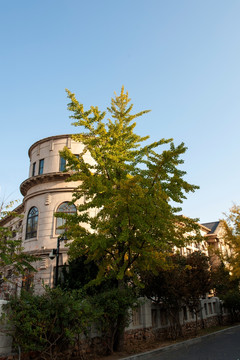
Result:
[[55, 253]]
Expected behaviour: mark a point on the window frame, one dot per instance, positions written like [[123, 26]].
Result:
[[32, 223], [40, 166], [34, 168], [62, 164], [61, 221]]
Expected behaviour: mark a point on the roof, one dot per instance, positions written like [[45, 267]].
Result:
[[212, 226], [18, 210]]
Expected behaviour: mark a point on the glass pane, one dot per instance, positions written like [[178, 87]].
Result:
[[62, 164]]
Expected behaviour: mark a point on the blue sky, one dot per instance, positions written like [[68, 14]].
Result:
[[181, 59]]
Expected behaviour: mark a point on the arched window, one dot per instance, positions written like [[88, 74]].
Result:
[[32, 222], [66, 208]]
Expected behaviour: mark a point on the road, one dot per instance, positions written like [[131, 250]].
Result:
[[224, 345]]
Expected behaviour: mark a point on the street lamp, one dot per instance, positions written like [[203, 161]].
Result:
[[55, 253]]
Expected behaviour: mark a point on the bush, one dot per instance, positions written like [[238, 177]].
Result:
[[112, 307], [50, 323], [232, 303]]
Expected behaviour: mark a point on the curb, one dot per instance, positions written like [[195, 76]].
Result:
[[186, 343]]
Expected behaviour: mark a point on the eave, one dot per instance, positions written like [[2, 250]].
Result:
[[41, 179]]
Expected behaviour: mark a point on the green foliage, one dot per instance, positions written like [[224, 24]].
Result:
[[113, 306], [129, 192], [182, 283], [232, 302], [222, 281], [197, 279], [231, 226], [48, 323], [11, 250], [79, 274], [185, 279]]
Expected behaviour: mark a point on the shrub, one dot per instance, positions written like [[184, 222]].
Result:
[[49, 323]]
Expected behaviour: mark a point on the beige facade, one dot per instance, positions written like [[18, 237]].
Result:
[[44, 191]]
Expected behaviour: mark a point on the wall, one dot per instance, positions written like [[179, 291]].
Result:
[[150, 323], [5, 341]]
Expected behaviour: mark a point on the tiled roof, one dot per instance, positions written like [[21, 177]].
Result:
[[212, 226]]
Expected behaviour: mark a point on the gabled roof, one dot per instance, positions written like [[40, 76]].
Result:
[[212, 226], [18, 210]]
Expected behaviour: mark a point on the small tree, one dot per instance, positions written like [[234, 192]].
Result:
[[12, 255], [112, 306], [231, 225], [222, 282], [129, 192], [183, 283], [110, 303], [197, 281], [167, 289], [48, 324]]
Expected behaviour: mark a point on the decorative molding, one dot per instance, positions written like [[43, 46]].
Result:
[[48, 199], [51, 145], [51, 191], [69, 142], [41, 179]]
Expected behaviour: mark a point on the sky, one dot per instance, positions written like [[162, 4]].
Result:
[[180, 59]]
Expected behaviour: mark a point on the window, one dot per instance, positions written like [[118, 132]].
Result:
[[41, 165], [205, 308], [210, 308], [163, 317], [34, 169], [214, 307], [66, 208], [185, 315], [136, 317], [154, 317], [62, 165], [32, 221]]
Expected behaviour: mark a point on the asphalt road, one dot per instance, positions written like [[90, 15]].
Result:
[[224, 345]]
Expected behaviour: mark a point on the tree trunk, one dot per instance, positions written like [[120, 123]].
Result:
[[119, 336]]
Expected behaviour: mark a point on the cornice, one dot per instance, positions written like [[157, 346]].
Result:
[[45, 251], [55, 137], [204, 228], [41, 179], [212, 238], [49, 191]]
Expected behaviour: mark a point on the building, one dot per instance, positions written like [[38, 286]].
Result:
[[46, 192]]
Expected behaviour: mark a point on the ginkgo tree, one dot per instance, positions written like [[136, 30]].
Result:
[[231, 227], [130, 218]]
